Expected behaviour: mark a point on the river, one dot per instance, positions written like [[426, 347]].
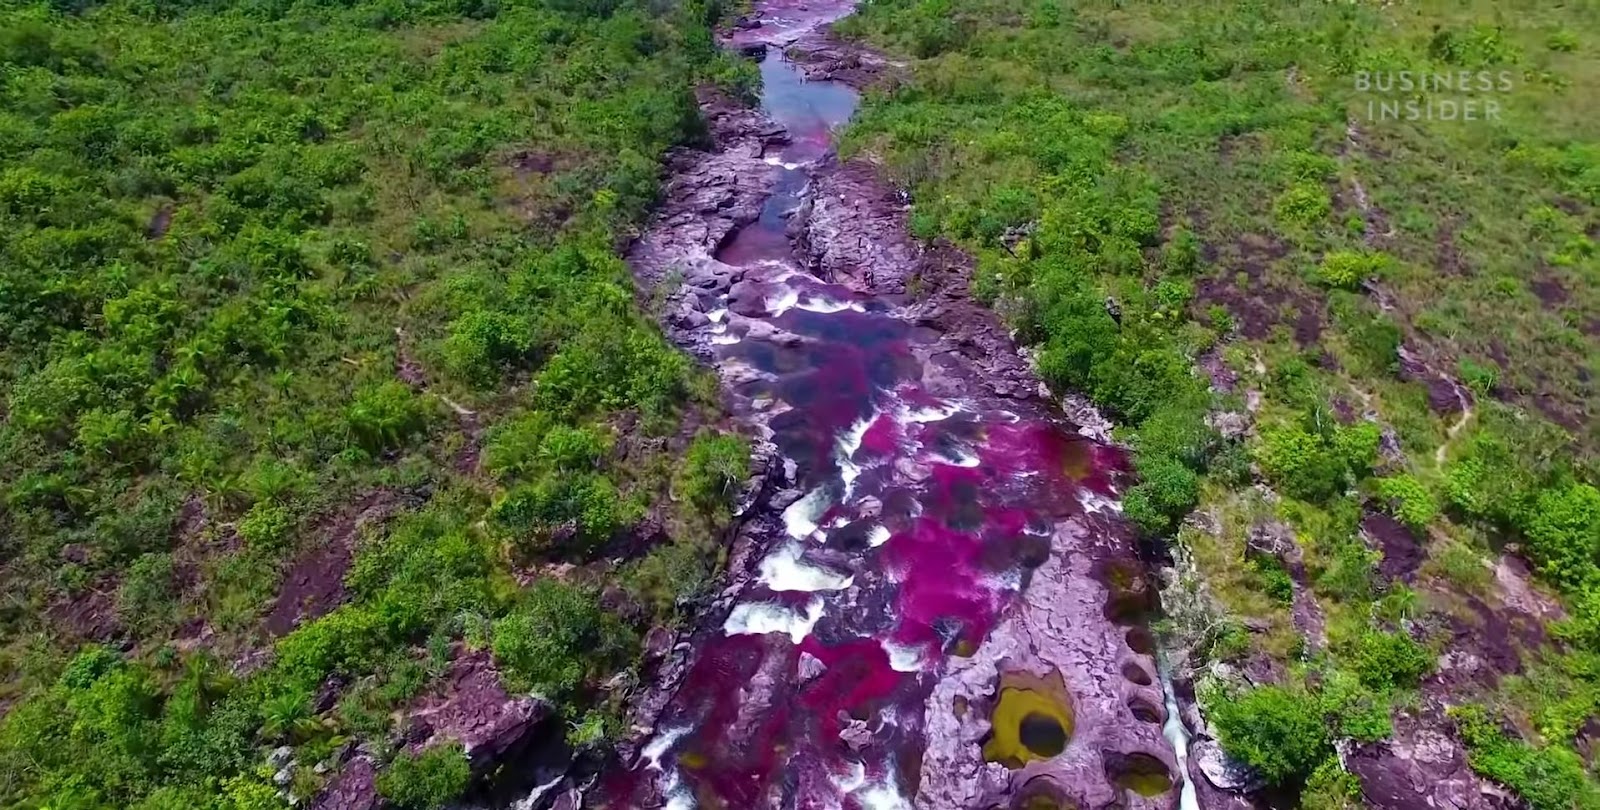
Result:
[[942, 607]]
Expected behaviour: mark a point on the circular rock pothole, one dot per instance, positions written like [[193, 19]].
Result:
[[1141, 640], [1041, 793], [1141, 773], [1136, 673], [1042, 734], [1031, 720], [1130, 599], [1144, 711]]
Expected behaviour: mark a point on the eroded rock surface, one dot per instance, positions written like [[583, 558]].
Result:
[[1059, 627], [354, 787], [469, 706]]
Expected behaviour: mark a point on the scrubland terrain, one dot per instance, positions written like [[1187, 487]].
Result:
[[316, 351], [1355, 356]]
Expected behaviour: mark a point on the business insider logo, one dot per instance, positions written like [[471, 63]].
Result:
[[1406, 95]]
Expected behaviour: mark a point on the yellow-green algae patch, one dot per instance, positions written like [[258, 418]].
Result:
[[1141, 773], [1032, 719]]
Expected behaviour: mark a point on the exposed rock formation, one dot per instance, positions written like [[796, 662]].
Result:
[[1422, 767], [471, 707]]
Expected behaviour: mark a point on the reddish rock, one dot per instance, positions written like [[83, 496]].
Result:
[[472, 708], [354, 787], [91, 615], [1402, 554], [1423, 767], [314, 584]]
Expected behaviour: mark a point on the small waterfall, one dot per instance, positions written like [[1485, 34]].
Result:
[[1178, 735]]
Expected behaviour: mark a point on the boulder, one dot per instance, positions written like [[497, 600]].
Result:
[[1222, 771]]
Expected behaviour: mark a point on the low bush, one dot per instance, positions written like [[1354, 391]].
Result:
[[1387, 660], [1548, 778], [1346, 269], [1276, 730], [429, 780], [566, 513], [1408, 499], [714, 469]]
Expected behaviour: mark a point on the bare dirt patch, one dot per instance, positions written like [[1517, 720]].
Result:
[[1402, 554], [1446, 255], [160, 223], [1551, 292]]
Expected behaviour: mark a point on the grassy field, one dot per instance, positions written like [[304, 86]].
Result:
[[1401, 311], [292, 389]]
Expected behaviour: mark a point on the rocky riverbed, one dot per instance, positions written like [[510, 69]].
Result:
[[934, 603]]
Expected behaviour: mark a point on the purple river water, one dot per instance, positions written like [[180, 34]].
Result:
[[922, 518]]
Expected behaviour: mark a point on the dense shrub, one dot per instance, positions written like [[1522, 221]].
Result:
[[1408, 499], [484, 343], [1276, 730], [1166, 491], [1386, 660], [556, 639], [1331, 787], [581, 511], [1317, 465], [714, 469], [1346, 269], [266, 526], [147, 596], [1563, 532], [386, 415], [429, 780], [1304, 204]]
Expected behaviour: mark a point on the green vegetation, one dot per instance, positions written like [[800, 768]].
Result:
[[558, 633], [1274, 730], [1216, 172], [1550, 778], [426, 781], [1287, 732], [271, 273], [714, 469]]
